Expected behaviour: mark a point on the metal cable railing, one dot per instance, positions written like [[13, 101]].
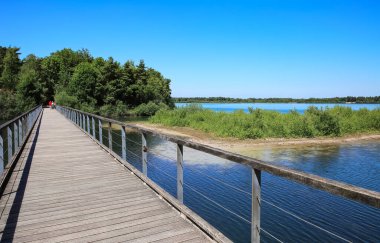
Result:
[[134, 154], [216, 203], [155, 152], [359, 194], [13, 135]]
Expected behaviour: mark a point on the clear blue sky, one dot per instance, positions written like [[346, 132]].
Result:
[[262, 48]]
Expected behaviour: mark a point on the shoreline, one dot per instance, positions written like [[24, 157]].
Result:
[[234, 144]]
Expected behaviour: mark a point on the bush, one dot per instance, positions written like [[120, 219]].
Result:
[[116, 111], [63, 98], [149, 109]]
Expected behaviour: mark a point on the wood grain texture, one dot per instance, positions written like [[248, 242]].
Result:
[[66, 188]]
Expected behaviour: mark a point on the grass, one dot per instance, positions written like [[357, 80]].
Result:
[[315, 122]]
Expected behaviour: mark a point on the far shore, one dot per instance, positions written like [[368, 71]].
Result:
[[243, 145]]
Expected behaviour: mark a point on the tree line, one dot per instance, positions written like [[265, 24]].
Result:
[[335, 100], [79, 80]]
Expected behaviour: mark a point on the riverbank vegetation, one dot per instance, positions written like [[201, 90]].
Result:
[[315, 122], [335, 100], [79, 80]]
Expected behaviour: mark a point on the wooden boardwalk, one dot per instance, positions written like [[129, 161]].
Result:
[[65, 188]]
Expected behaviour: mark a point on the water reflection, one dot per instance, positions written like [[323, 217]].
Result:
[[355, 163]]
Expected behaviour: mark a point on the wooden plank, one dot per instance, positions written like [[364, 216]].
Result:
[[89, 224], [127, 231], [185, 237]]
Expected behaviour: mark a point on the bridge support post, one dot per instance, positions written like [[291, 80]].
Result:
[[110, 136], [180, 172], [88, 125], [93, 128], [256, 206], [100, 132], [123, 144], [1, 155], [15, 135], [144, 154], [10, 152]]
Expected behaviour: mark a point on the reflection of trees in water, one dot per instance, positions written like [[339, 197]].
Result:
[[312, 159], [191, 156]]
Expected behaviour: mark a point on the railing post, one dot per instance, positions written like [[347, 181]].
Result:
[[123, 144], [1, 154], [15, 134], [100, 131], [24, 127], [180, 172], [10, 153], [88, 125], [93, 128], [19, 132], [110, 136], [256, 205], [144, 151], [83, 122], [80, 120], [27, 123]]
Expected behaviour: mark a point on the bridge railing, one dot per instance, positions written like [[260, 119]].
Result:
[[13, 136], [87, 122]]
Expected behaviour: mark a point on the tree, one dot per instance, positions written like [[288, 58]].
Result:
[[10, 68], [29, 85], [83, 83]]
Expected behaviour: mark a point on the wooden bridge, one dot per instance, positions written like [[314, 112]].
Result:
[[66, 188], [61, 183]]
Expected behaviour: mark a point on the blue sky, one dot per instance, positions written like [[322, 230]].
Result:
[[262, 48]]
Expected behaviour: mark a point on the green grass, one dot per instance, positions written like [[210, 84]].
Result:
[[333, 122]]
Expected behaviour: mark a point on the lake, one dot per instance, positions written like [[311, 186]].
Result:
[[218, 189], [280, 107]]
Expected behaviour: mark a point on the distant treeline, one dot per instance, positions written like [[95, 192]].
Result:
[[79, 80], [335, 100]]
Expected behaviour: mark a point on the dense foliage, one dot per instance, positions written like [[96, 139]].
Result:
[[335, 100], [78, 80], [259, 123]]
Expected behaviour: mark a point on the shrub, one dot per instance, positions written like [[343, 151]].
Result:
[[149, 109], [259, 123]]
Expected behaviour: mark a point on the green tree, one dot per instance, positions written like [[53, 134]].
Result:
[[30, 80], [10, 68], [83, 83]]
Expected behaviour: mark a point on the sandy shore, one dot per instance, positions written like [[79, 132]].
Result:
[[238, 145]]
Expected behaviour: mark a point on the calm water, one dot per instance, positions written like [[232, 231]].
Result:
[[280, 107], [356, 163]]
